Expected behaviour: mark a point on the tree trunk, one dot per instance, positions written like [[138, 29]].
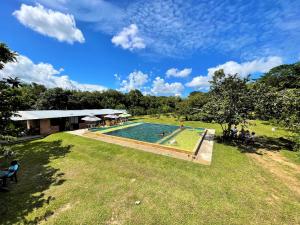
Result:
[[226, 132]]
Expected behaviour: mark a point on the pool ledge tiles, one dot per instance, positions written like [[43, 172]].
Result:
[[204, 155]]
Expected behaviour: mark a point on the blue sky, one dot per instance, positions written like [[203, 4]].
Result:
[[161, 47]]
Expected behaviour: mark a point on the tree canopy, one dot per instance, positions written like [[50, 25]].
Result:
[[231, 99], [9, 100], [6, 55]]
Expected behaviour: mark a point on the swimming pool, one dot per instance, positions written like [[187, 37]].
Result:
[[148, 132]]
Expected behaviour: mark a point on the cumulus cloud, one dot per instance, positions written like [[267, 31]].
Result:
[[160, 87], [103, 15], [199, 82], [44, 73], [135, 80], [129, 38], [261, 65], [49, 23], [174, 72]]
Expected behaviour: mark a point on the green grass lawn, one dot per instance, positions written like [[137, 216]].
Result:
[[66, 179]]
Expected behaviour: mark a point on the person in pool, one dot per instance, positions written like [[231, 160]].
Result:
[[181, 125], [162, 134]]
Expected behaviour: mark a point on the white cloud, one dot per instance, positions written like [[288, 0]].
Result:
[[160, 87], [174, 72], [177, 28], [117, 77], [136, 80], [261, 65], [103, 15], [199, 82], [128, 38], [44, 73], [50, 23]]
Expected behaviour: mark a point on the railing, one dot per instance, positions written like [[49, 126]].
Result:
[[200, 143]]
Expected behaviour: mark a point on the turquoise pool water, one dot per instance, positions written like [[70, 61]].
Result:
[[94, 129], [148, 132]]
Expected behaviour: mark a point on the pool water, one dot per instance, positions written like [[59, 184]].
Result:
[[148, 132]]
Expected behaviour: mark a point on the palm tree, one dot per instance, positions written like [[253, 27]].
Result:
[[6, 55], [14, 82]]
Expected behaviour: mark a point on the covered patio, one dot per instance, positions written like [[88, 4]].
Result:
[[45, 122]]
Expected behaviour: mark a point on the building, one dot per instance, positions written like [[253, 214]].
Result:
[[50, 121]]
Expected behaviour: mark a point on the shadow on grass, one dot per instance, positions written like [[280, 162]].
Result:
[[35, 176], [261, 142]]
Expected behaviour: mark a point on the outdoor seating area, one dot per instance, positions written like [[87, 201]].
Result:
[[243, 136], [45, 122], [9, 174], [106, 121]]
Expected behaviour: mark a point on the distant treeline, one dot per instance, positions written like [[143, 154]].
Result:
[[231, 100], [279, 81]]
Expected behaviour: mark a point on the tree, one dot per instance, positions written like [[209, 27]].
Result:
[[6, 55], [183, 109], [55, 98], [277, 98], [14, 82], [9, 104], [230, 101], [30, 93], [134, 97], [196, 100], [283, 77], [8, 97]]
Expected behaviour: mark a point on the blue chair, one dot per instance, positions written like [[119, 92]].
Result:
[[11, 173]]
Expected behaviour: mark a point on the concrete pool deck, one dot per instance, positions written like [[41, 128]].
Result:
[[204, 155]]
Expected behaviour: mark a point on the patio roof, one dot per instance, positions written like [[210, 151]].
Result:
[[48, 114]]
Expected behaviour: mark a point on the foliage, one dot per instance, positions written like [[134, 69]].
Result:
[[195, 100], [230, 101], [283, 77], [35, 96], [55, 98], [6, 55], [9, 100], [278, 98]]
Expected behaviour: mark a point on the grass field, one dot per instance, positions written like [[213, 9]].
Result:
[[66, 179]]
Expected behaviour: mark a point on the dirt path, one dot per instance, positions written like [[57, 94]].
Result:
[[279, 166]]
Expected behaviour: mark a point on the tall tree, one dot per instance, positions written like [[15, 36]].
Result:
[[278, 98], [6, 55], [15, 82], [55, 98], [230, 101], [283, 77], [8, 97]]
